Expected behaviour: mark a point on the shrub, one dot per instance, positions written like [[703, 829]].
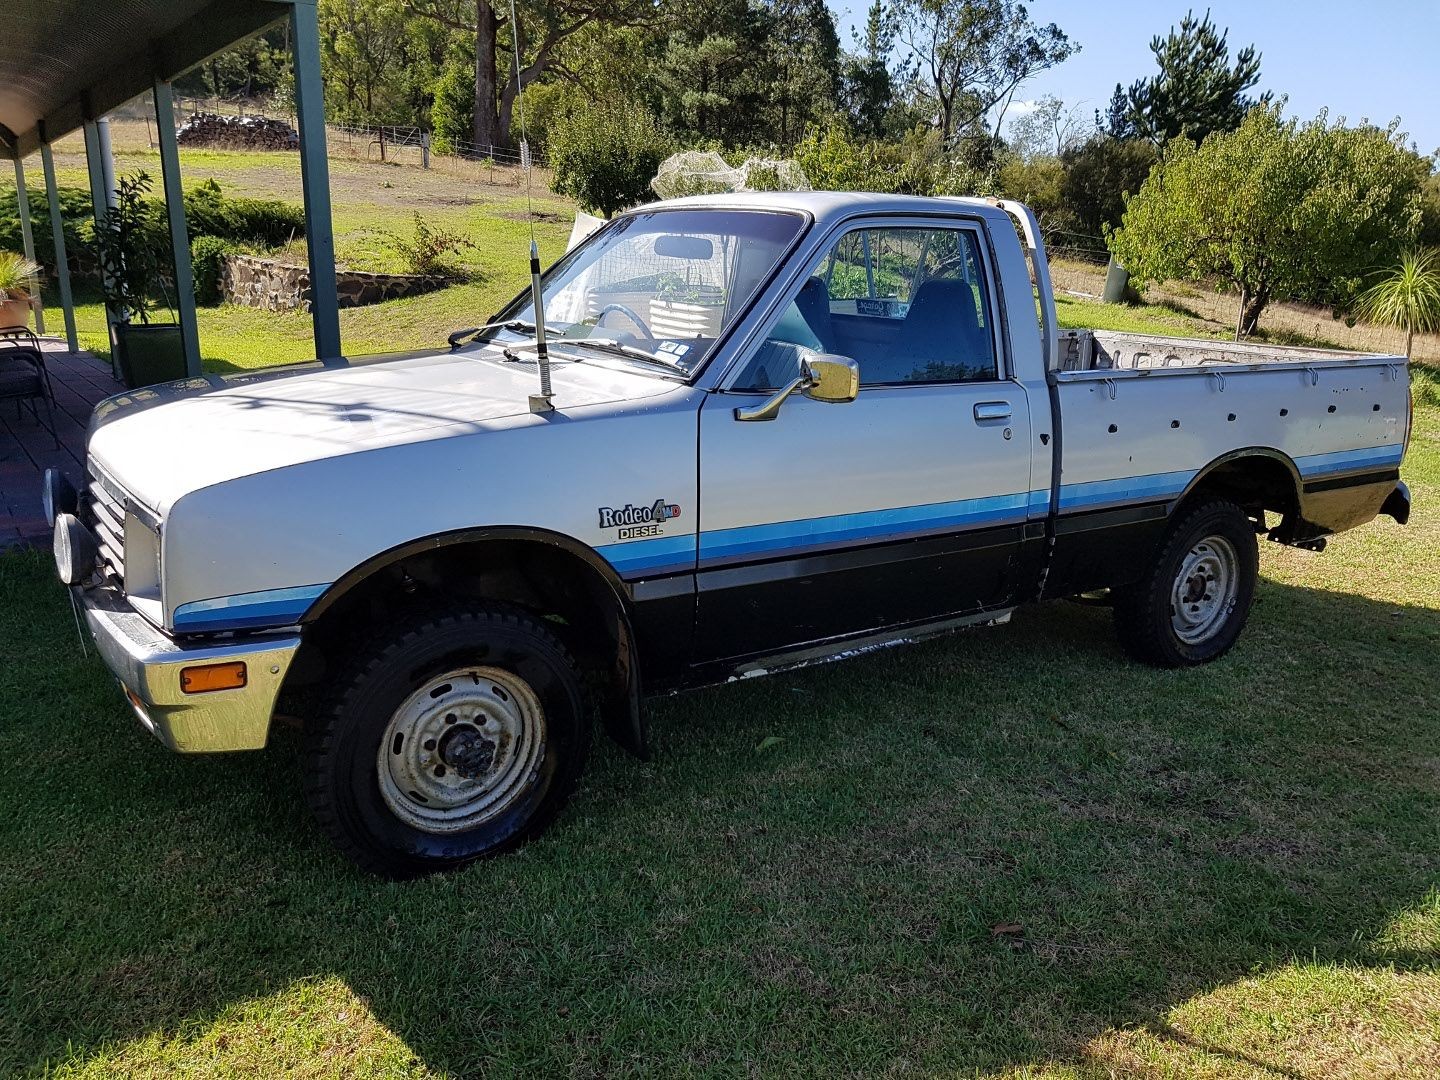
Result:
[[425, 252], [207, 262], [74, 209], [605, 155], [267, 222]]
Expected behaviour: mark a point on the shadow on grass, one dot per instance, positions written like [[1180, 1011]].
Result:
[[979, 852]]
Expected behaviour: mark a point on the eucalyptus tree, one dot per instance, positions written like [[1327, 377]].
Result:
[[971, 56]]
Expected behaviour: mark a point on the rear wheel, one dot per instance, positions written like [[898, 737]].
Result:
[[1193, 603], [453, 738]]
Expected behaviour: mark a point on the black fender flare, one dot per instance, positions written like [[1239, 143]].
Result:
[[1263, 452], [621, 710]]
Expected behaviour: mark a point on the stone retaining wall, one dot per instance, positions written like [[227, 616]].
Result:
[[276, 286]]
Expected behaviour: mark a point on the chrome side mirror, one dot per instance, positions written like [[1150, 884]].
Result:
[[832, 378], [823, 377]]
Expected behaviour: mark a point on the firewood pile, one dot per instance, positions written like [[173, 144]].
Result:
[[237, 133]]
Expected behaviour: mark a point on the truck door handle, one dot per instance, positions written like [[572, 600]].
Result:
[[992, 410]]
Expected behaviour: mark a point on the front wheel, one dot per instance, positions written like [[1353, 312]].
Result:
[[452, 738], [1192, 604]]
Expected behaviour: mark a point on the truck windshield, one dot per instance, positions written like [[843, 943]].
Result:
[[664, 284]]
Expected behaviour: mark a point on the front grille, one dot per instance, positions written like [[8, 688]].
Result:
[[106, 517]]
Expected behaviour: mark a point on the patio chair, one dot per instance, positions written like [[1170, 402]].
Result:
[[23, 377]]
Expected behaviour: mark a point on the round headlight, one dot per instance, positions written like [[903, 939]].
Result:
[[75, 550], [57, 495]]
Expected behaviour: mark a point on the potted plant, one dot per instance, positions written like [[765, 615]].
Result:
[[682, 310], [18, 278], [131, 243]]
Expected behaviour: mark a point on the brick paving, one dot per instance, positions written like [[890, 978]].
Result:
[[27, 450]]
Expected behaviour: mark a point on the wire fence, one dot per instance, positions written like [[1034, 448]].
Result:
[[395, 143]]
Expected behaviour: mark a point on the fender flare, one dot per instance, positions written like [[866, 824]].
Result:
[[621, 712], [1263, 452]]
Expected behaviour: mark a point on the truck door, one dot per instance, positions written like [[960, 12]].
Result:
[[903, 506]]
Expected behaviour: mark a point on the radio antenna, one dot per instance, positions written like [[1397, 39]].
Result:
[[543, 401]]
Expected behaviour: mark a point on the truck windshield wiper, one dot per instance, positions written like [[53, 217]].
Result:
[[610, 345], [470, 333]]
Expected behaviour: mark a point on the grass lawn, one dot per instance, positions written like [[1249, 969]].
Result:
[[1007, 853], [489, 208]]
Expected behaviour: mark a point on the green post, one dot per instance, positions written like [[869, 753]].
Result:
[[315, 181], [57, 235], [99, 206], [179, 238], [27, 237], [1117, 280]]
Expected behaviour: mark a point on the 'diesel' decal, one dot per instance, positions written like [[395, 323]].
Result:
[[634, 521]]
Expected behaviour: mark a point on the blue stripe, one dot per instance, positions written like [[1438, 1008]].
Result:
[[788, 536], [1348, 460], [658, 555], [1127, 489], [269, 607]]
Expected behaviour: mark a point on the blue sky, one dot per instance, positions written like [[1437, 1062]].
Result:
[[1378, 59]]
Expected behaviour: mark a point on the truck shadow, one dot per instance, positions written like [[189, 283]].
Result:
[[981, 852]]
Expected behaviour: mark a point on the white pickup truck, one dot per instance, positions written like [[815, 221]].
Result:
[[782, 427]]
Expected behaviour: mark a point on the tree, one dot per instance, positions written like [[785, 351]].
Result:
[[869, 88], [1048, 129], [974, 54], [1407, 295], [745, 73], [361, 43], [544, 25], [1197, 90], [1099, 174], [804, 54], [452, 113], [1275, 209], [605, 156]]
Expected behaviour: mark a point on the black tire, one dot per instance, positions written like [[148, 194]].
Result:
[[343, 781], [1145, 616]]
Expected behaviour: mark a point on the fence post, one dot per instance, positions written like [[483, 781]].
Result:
[[425, 149]]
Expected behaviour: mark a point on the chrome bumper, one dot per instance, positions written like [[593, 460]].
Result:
[[148, 665]]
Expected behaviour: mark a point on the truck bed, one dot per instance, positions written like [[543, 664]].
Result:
[[1105, 350]]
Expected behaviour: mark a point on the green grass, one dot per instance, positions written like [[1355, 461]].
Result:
[[1011, 852], [369, 200]]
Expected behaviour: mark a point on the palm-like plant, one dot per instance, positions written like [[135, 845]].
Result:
[[1407, 295], [18, 276]]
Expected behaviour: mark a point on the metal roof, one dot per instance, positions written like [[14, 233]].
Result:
[[63, 62]]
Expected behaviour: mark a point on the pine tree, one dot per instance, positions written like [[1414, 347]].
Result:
[[869, 85], [1197, 91]]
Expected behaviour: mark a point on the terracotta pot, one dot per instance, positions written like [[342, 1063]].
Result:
[[15, 312]]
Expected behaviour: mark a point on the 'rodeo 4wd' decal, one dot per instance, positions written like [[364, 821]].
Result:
[[635, 521]]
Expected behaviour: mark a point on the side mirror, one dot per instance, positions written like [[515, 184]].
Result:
[[831, 378], [823, 377]]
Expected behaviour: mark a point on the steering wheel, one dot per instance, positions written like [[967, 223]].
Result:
[[629, 314]]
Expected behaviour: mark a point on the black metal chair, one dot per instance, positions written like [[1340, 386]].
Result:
[[23, 377]]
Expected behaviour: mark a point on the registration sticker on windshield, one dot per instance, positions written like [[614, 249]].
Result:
[[674, 348]]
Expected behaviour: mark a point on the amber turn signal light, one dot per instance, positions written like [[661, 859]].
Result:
[[207, 677]]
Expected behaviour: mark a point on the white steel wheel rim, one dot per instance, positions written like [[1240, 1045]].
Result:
[[1205, 589], [461, 749]]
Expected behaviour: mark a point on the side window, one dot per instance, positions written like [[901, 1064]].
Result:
[[911, 305]]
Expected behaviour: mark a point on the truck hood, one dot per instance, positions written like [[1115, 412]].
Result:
[[162, 442]]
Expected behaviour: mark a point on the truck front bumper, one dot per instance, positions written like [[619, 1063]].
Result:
[[148, 664]]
